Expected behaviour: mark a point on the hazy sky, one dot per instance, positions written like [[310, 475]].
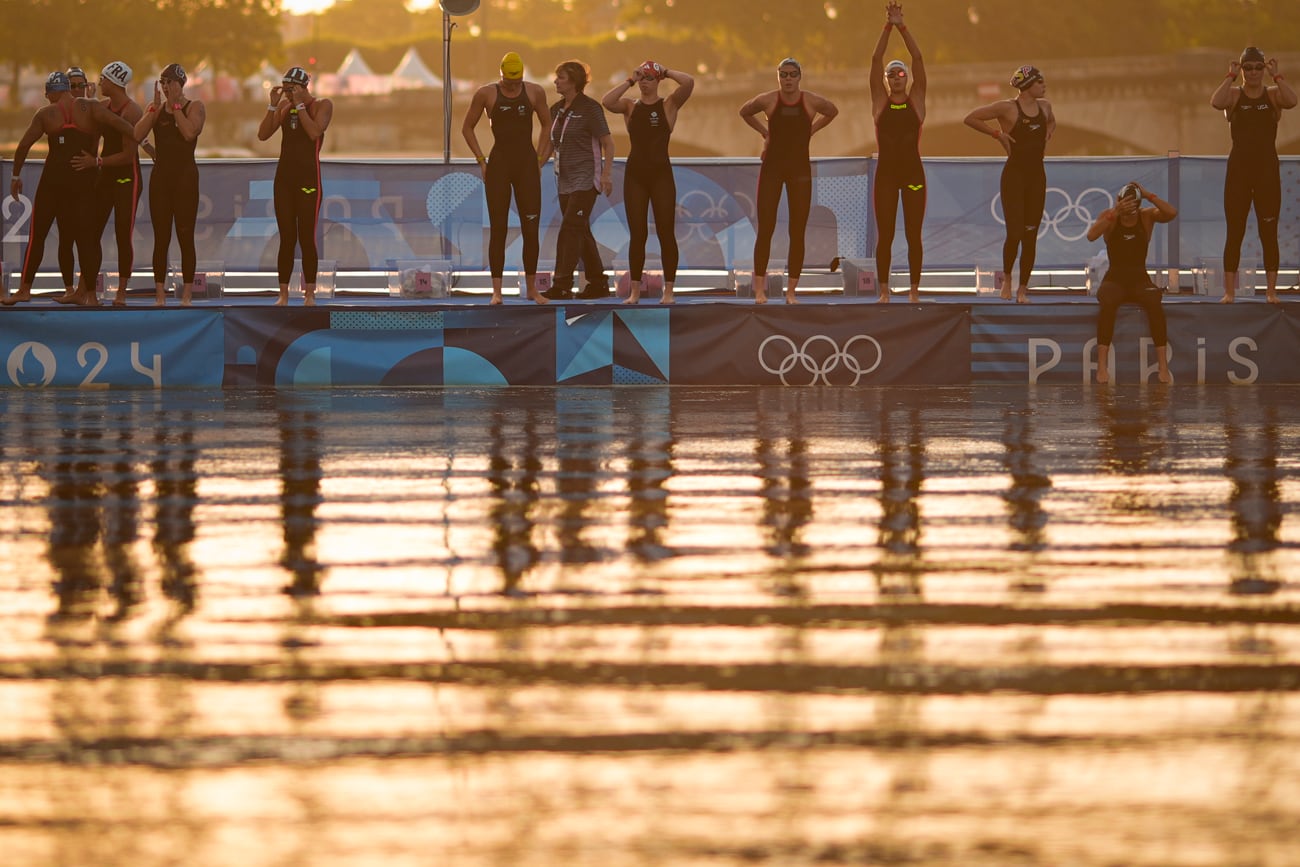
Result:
[[302, 7]]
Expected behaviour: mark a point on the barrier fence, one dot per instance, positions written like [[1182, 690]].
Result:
[[376, 211]]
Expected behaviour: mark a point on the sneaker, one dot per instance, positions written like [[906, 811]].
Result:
[[555, 293]]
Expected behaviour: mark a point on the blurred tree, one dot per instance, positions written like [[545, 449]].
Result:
[[237, 35], [375, 20], [234, 35]]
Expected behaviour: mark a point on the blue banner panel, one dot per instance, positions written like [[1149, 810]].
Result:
[[1208, 344], [841, 344], [117, 348], [379, 210]]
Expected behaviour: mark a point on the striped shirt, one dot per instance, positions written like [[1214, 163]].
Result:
[[575, 134]]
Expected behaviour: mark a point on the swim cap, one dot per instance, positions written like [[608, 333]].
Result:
[[1025, 77], [118, 73], [57, 82], [173, 72], [652, 70], [790, 61], [1252, 54], [1131, 191], [296, 75], [895, 64], [76, 72], [512, 66]]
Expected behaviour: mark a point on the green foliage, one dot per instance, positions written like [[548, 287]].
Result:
[[233, 35]]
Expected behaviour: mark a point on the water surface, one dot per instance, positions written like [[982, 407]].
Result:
[[650, 626]]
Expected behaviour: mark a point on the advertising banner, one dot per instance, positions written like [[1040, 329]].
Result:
[[380, 210]]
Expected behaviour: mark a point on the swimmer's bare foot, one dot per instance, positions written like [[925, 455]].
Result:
[[496, 298], [667, 297], [537, 297], [1271, 296], [1228, 298], [1022, 295], [913, 296], [883, 297]]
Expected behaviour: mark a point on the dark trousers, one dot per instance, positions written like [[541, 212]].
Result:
[[576, 241]]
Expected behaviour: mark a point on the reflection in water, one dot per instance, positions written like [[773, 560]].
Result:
[[781, 451], [1251, 463], [902, 473], [176, 489], [749, 702], [514, 469], [1132, 434], [76, 486], [300, 476], [1026, 514], [584, 427], [650, 466]]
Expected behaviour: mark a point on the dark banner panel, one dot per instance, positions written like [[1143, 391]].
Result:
[[837, 344], [362, 346], [1208, 344]]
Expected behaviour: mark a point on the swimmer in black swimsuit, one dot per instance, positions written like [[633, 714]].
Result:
[[1254, 174], [899, 112], [176, 123], [302, 120], [793, 117], [72, 127], [648, 178], [1127, 229], [117, 189], [1023, 126], [514, 165]]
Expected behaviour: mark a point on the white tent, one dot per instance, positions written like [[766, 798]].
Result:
[[412, 74], [355, 76], [354, 64]]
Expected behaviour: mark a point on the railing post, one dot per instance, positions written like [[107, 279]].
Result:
[[1175, 198]]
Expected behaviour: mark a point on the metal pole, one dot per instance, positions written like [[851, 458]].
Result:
[[446, 87]]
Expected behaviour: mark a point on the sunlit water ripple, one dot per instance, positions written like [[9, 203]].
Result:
[[650, 626]]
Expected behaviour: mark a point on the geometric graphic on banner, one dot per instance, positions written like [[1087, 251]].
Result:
[[501, 345], [846, 197], [448, 193], [625, 376], [583, 344], [387, 320], [461, 367], [590, 346], [339, 356], [648, 338]]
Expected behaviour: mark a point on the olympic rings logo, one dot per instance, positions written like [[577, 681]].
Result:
[[1069, 221], [823, 361], [711, 209]]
